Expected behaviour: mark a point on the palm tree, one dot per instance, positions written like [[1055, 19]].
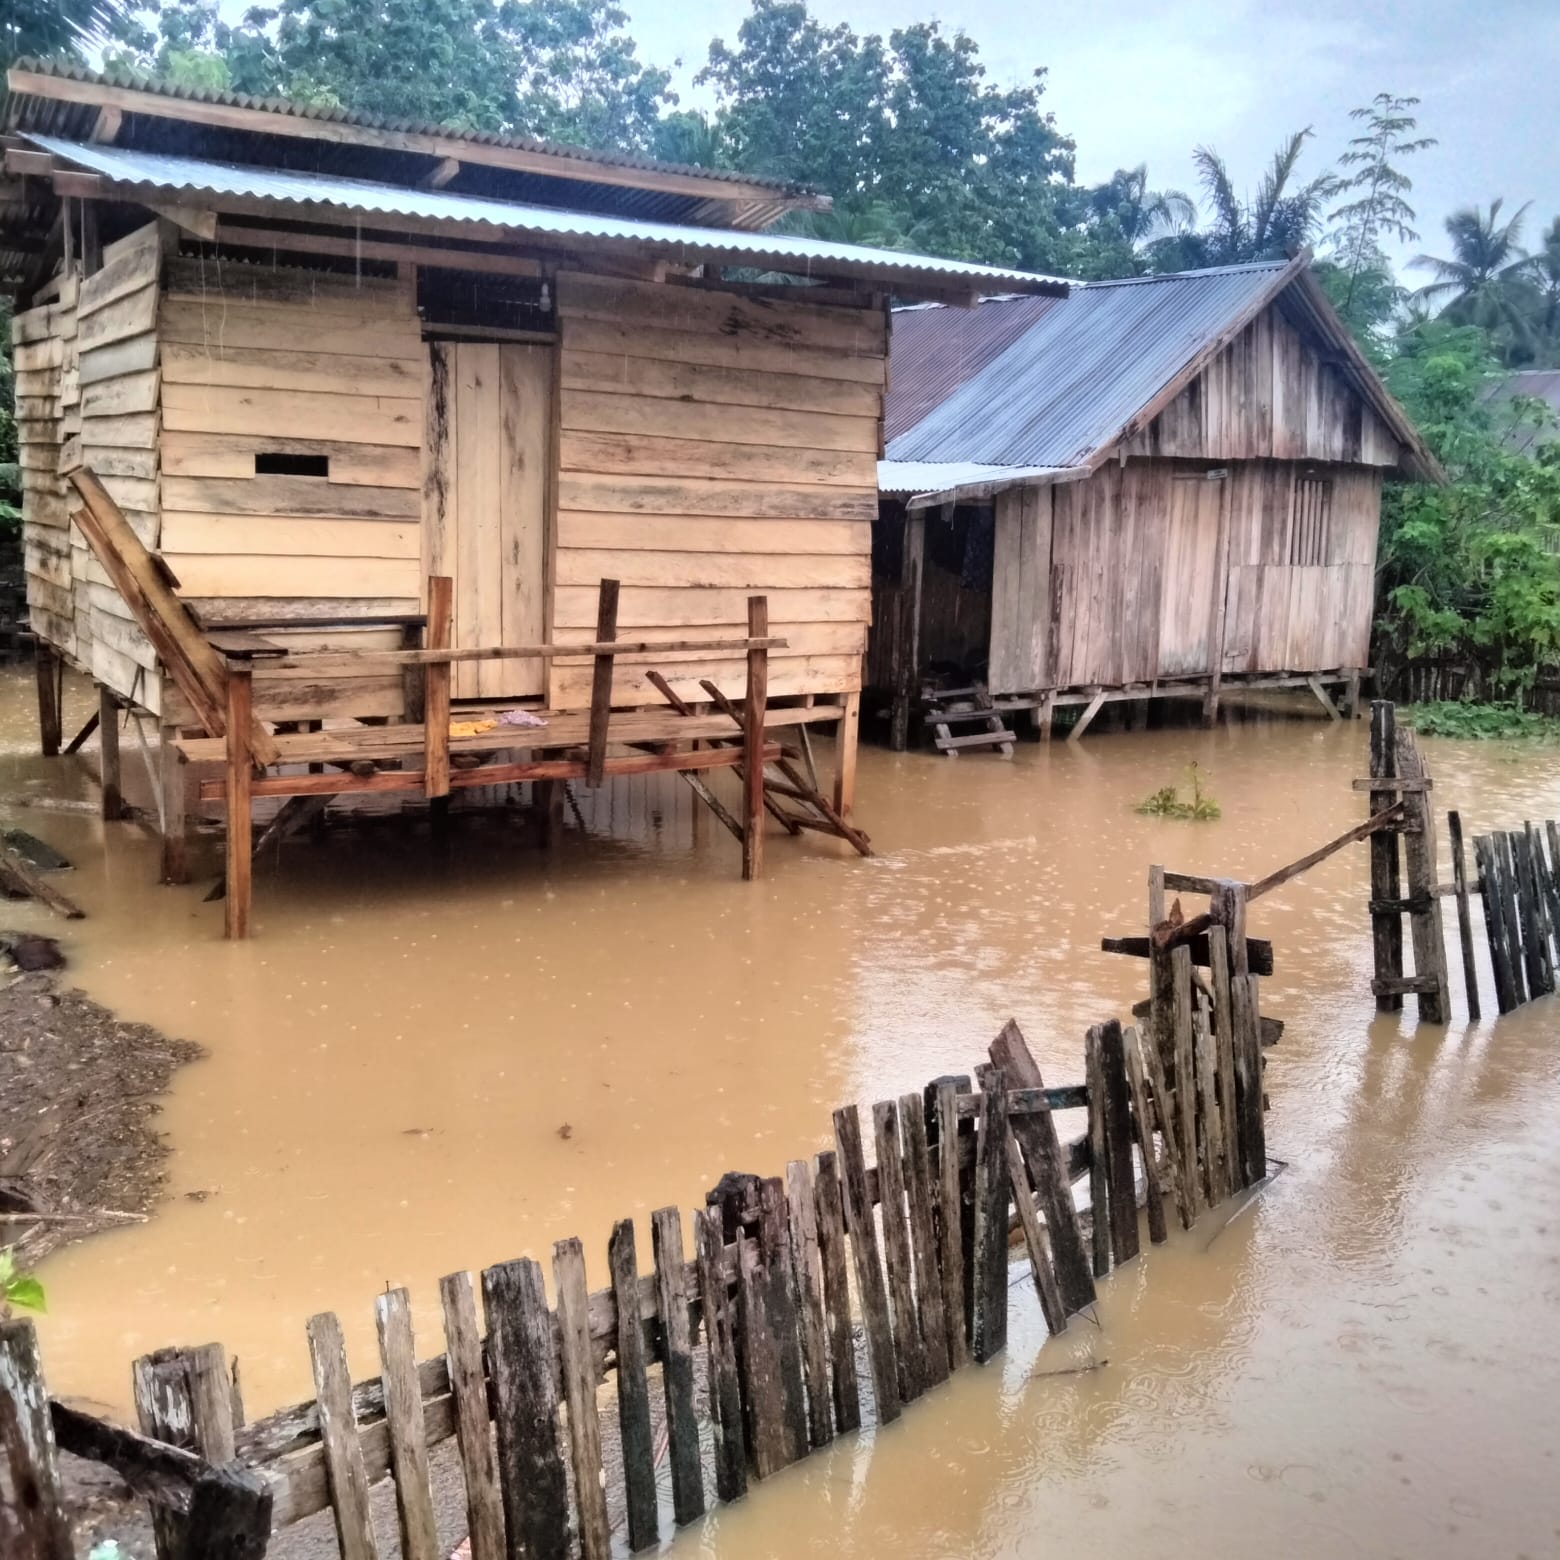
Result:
[[57, 27], [1545, 276], [1142, 215], [1281, 219], [1480, 283]]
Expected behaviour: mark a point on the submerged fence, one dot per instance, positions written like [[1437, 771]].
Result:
[[812, 1304]]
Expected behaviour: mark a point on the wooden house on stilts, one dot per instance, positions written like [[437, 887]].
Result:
[[328, 421], [1165, 486]]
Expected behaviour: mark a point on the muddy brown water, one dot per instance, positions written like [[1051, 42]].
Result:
[[1363, 1361]]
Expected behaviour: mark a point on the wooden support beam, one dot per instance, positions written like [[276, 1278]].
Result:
[[846, 735], [110, 779], [105, 131], [1259, 950], [1387, 819], [171, 782], [601, 683], [1323, 697], [1092, 709], [239, 781], [489, 261], [88, 727], [436, 688], [907, 631], [439, 175], [753, 709], [48, 670]]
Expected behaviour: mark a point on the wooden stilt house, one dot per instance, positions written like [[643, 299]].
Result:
[[318, 361], [1155, 487]]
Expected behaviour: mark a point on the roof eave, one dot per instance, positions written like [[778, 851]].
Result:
[[641, 174]]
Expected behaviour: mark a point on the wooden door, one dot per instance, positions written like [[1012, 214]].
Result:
[[485, 520], [1191, 576]]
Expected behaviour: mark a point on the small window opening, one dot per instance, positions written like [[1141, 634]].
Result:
[[1310, 531], [284, 465]]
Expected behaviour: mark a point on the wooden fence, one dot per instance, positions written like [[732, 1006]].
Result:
[[1516, 875], [908, 1257]]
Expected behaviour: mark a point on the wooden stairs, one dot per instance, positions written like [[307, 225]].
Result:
[[944, 708], [793, 796]]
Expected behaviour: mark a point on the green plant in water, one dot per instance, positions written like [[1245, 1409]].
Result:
[[1475, 720], [1167, 802], [16, 1287]]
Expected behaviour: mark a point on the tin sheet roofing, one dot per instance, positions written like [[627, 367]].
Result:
[[898, 478], [1065, 387], [22, 107], [937, 350], [304, 193], [1542, 384]]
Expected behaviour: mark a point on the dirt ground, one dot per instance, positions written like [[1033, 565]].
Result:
[[79, 1153]]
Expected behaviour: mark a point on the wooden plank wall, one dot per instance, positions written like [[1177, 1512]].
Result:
[[260, 360], [1021, 590], [712, 446], [1283, 617], [48, 392], [1269, 395], [120, 410]]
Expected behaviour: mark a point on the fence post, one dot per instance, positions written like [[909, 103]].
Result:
[[1385, 881], [32, 1524]]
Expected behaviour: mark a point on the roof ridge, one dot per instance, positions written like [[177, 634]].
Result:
[[1240, 268]]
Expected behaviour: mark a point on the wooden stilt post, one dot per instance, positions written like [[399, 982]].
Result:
[[908, 640], [1464, 914], [171, 775], [436, 689], [601, 684], [753, 711], [1045, 715], [240, 763], [110, 780], [846, 734], [1385, 879], [49, 672]]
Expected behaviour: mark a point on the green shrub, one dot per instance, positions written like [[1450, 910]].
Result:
[[1477, 721], [1167, 802]]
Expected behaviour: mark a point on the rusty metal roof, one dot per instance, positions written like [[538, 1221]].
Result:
[[1066, 386], [154, 176], [935, 350]]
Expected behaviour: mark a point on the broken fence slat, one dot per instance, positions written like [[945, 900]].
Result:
[[1118, 1145], [870, 1283], [896, 1249], [1035, 1243], [403, 1413], [1464, 912], [845, 1390], [950, 1222], [1259, 950], [523, 1362], [923, 1239], [633, 1391], [35, 1522], [1144, 1125], [989, 1334], [682, 1424], [579, 1391], [1048, 1169], [338, 1432], [473, 1434], [1099, 1155], [1224, 1059], [782, 1313], [720, 1342], [809, 1284]]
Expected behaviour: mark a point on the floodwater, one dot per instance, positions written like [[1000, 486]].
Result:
[[426, 1061]]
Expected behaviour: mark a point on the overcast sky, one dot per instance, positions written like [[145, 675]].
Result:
[[1147, 80]]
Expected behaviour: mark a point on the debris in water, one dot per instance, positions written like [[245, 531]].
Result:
[[39, 852], [566, 1132], [29, 951]]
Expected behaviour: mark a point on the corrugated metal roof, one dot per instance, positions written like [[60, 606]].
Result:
[[161, 175], [1068, 384], [18, 106], [900, 477], [936, 350], [1542, 384]]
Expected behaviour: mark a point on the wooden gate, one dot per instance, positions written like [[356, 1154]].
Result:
[[486, 503]]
